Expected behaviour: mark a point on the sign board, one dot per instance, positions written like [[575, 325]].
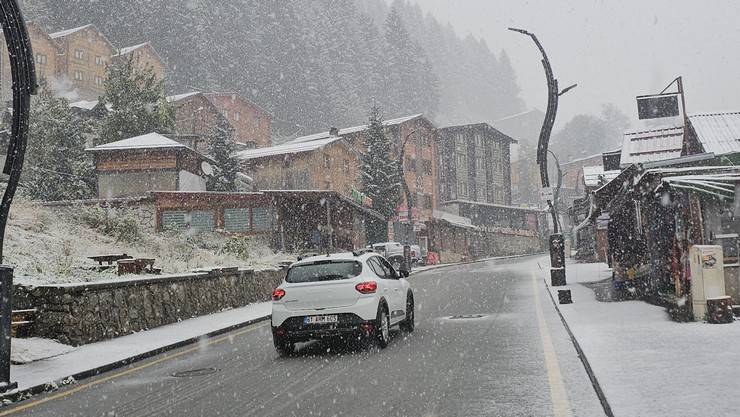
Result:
[[403, 214], [547, 194], [654, 107], [360, 198]]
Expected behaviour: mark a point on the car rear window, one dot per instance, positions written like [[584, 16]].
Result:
[[324, 271]]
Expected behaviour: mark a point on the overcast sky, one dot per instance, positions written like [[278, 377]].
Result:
[[614, 50]]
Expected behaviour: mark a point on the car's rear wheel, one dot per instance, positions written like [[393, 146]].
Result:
[[408, 324], [383, 327], [283, 345]]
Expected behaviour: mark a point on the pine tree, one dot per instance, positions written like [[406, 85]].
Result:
[[221, 148], [137, 101], [57, 166], [379, 171]]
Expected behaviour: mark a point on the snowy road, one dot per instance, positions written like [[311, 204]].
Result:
[[515, 360]]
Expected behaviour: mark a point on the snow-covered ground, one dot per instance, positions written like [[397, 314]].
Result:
[[36, 348], [94, 355], [647, 364], [46, 245]]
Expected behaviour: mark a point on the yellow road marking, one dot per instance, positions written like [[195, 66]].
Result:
[[78, 388], [558, 396]]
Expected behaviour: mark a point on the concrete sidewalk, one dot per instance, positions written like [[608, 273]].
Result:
[[646, 364], [94, 358]]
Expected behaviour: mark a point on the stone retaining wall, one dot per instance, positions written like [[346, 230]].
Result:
[[84, 313]]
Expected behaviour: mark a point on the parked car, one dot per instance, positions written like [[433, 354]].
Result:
[[353, 296]]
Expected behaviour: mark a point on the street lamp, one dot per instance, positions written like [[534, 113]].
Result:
[[406, 189], [557, 243]]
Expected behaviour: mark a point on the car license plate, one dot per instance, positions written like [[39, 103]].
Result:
[[332, 318]]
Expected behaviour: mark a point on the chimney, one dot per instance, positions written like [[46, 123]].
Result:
[[333, 131]]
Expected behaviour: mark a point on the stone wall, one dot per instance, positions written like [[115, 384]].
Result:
[[84, 313]]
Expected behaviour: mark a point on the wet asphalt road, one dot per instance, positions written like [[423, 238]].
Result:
[[513, 361]]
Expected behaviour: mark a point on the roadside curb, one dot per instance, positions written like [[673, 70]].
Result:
[[582, 356], [20, 395], [475, 262]]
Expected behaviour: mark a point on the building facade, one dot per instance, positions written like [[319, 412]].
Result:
[[474, 163], [144, 57], [151, 162], [46, 53], [327, 165], [197, 113], [81, 69]]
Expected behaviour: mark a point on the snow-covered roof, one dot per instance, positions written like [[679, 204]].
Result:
[[128, 49], [178, 97], [353, 129], [594, 176], [288, 148], [84, 104], [652, 145], [88, 105], [453, 219], [718, 133], [66, 32], [151, 140]]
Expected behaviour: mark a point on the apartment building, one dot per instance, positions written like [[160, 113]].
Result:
[[144, 56], [82, 66], [474, 161]]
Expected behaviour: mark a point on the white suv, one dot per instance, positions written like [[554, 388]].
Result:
[[354, 296]]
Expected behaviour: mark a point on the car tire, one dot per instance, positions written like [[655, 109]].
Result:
[[408, 324], [383, 327], [283, 346]]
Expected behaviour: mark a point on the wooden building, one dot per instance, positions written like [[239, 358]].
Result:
[[420, 162], [144, 57], [87, 53], [196, 114], [46, 52], [150, 162], [474, 163], [327, 164]]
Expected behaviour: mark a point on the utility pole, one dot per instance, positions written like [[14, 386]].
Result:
[[557, 243], [407, 191]]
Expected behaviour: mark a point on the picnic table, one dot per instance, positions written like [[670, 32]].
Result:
[[109, 259]]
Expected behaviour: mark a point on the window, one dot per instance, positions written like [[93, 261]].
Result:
[[98, 80], [462, 161], [375, 267], [79, 54], [201, 220], [237, 115], [410, 164], [324, 271], [427, 201], [263, 219], [478, 140], [173, 220], [327, 161], [345, 166], [237, 220], [99, 60], [41, 59], [462, 189], [226, 114], [79, 75], [479, 163], [426, 166]]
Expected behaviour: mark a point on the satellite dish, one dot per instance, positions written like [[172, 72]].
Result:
[[206, 168]]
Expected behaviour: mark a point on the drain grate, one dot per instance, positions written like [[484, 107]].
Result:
[[467, 316], [195, 372]]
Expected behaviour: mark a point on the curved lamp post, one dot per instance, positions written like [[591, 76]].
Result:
[[557, 244]]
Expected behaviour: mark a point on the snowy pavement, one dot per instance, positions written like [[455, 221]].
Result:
[[647, 364], [87, 358]]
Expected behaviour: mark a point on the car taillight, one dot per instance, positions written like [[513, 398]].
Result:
[[277, 294], [367, 287]]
